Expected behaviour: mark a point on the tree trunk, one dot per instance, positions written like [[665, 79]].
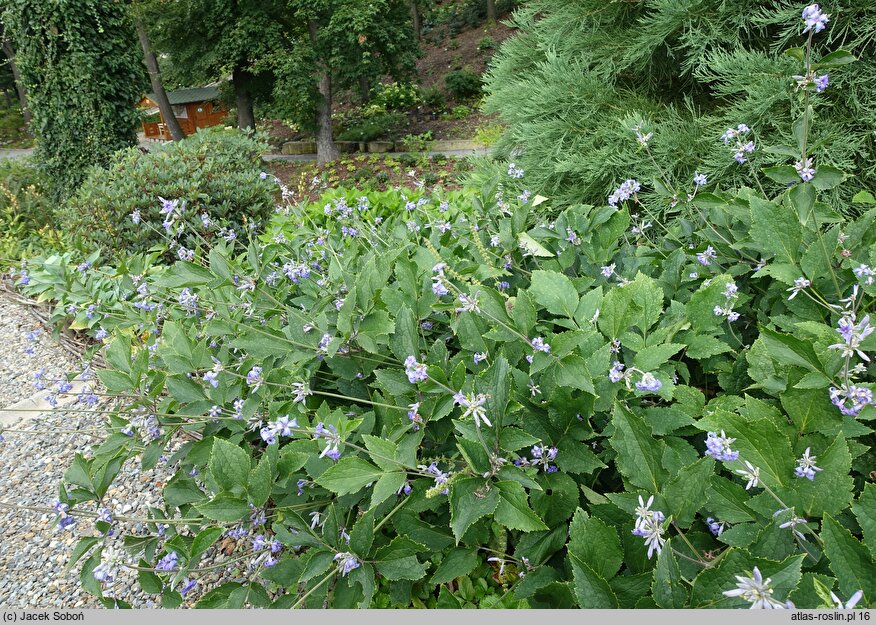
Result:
[[9, 51], [170, 120], [491, 10], [415, 17], [326, 150], [364, 88], [243, 99]]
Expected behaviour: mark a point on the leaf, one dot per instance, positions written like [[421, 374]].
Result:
[[702, 346], [229, 465], [835, 59], [775, 229], [708, 587], [460, 561], [701, 307], [224, 507], [802, 197], [730, 498], [759, 441], [668, 587], [850, 561], [831, 490], [470, 499], [182, 490], [865, 511], [555, 292], [382, 451], [863, 197], [387, 486], [790, 350], [811, 410], [204, 540], [513, 509], [783, 174], [498, 379], [639, 454], [639, 303], [572, 372], [362, 535], [398, 560], [404, 339], [349, 475], [596, 544], [827, 178], [591, 590], [81, 548], [685, 494], [652, 357], [533, 247], [408, 523]]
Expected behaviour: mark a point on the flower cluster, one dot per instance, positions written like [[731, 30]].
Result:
[[706, 257], [439, 286], [542, 457], [806, 466], [649, 525], [814, 19], [514, 171], [281, 427], [415, 371], [441, 478], [805, 169], [474, 407], [332, 438], [624, 192], [731, 294], [647, 383], [756, 590], [719, 447], [741, 146]]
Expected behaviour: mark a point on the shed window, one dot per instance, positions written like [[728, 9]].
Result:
[[180, 112]]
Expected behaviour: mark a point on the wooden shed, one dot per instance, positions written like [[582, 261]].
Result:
[[193, 108]]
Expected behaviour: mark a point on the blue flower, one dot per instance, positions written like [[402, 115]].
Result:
[[814, 19], [188, 586], [719, 447], [649, 383], [806, 466], [168, 562], [415, 371], [346, 562]]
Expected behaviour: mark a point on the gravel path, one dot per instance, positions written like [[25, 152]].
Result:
[[33, 550]]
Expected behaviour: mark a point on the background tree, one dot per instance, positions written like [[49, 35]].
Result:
[[151, 62], [332, 45], [582, 73], [210, 40], [12, 68], [83, 76]]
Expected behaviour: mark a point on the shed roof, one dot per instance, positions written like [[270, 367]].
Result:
[[186, 96]]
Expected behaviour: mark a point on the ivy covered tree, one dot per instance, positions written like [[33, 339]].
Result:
[[335, 44], [80, 65], [582, 75]]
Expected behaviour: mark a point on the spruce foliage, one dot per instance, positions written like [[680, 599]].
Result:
[[582, 73]]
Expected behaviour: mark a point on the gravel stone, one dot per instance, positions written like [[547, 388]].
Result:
[[34, 551]]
